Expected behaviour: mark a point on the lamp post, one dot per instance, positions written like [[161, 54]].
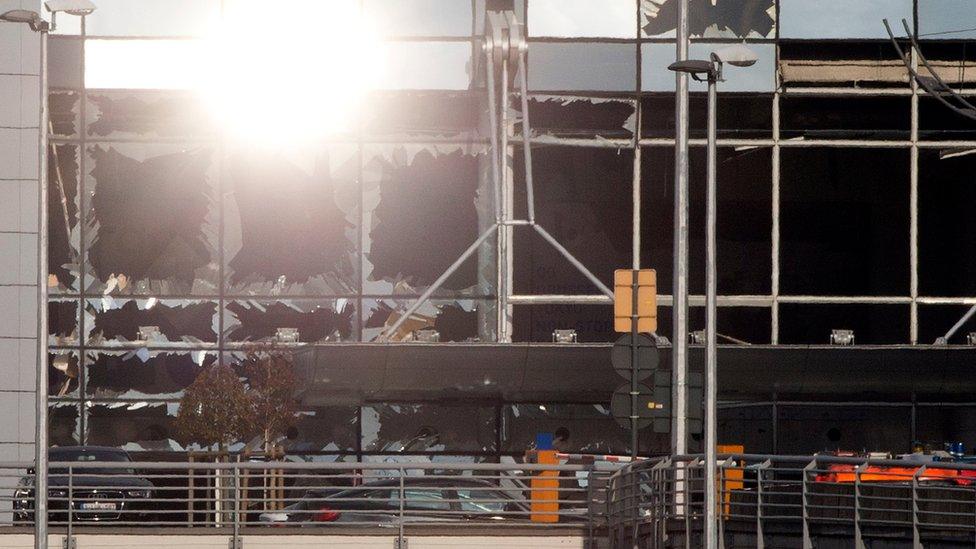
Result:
[[711, 71], [37, 24]]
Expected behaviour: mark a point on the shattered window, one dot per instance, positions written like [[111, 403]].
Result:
[[711, 18], [582, 67], [421, 428], [316, 321], [460, 320], [150, 322], [946, 228], [389, 115], [147, 113], [133, 375], [323, 430], [62, 322], [841, 18], [133, 426], [580, 117], [811, 324], [64, 62], [151, 223], [740, 115], [573, 18], [64, 428], [290, 222], [845, 117], [64, 237], [591, 428], [422, 211], [760, 77], [63, 374]]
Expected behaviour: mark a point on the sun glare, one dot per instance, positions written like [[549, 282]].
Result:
[[283, 76]]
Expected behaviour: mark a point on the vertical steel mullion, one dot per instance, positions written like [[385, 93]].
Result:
[[82, 247], [913, 208], [805, 504], [775, 230], [400, 544], [41, 380]]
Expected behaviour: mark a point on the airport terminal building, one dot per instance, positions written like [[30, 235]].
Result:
[[844, 203]]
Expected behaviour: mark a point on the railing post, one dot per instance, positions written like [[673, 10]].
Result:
[[858, 539], [69, 539], [916, 535], [399, 543], [722, 509], [804, 504], [236, 542], [760, 537]]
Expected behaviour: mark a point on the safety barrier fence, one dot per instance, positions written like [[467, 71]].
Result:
[[330, 497], [797, 501]]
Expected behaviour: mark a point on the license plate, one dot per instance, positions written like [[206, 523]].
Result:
[[98, 506]]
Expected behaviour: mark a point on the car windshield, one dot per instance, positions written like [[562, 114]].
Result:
[[85, 455]]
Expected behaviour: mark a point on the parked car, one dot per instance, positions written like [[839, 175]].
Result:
[[425, 500], [92, 495]]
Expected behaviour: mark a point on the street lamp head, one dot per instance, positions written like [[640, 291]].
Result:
[[71, 7], [694, 67], [31, 18], [737, 55]]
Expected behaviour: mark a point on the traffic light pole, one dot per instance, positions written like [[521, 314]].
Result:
[[711, 336], [634, 366]]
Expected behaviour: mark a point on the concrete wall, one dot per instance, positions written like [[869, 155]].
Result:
[[19, 104]]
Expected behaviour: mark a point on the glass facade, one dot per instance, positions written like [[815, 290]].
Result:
[[841, 203]]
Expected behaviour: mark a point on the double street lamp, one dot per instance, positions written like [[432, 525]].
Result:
[[37, 24], [711, 71]]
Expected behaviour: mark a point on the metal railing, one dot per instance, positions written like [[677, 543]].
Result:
[[796, 501], [238, 496]]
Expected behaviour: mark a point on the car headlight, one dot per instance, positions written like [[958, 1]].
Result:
[[22, 493], [140, 494], [57, 493]]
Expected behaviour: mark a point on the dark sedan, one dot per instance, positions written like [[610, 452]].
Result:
[[90, 495], [424, 500]]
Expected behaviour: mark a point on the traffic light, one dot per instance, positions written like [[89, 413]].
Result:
[[623, 300]]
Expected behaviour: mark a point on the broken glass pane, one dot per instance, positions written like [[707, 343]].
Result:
[[840, 208], [62, 211], [811, 324], [583, 198], [64, 108], [536, 323], [64, 428], [945, 20], [62, 322], [740, 115], [841, 18], [938, 122], [316, 321], [291, 222], [151, 220], [133, 426], [422, 210], [323, 430], [411, 114], [419, 17], [751, 426], [147, 113], [426, 66], [461, 320], [421, 428], [578, 18], [132, 376], [850, 117], [935, 320], [150, 322], [591, 428], [582, 66], [572, 116], [63, 374], [761, 77], [711, 18]]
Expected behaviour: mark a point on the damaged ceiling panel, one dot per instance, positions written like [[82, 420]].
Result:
[[447, 115], [64, 237], [413, 428], [135, 426], [291, 222], [421, 213], [579, 117], [863, 64], [151, 221], [711, 18], [128, 322], [316, 321], [126, 375], [147, 114], [453, 320]]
